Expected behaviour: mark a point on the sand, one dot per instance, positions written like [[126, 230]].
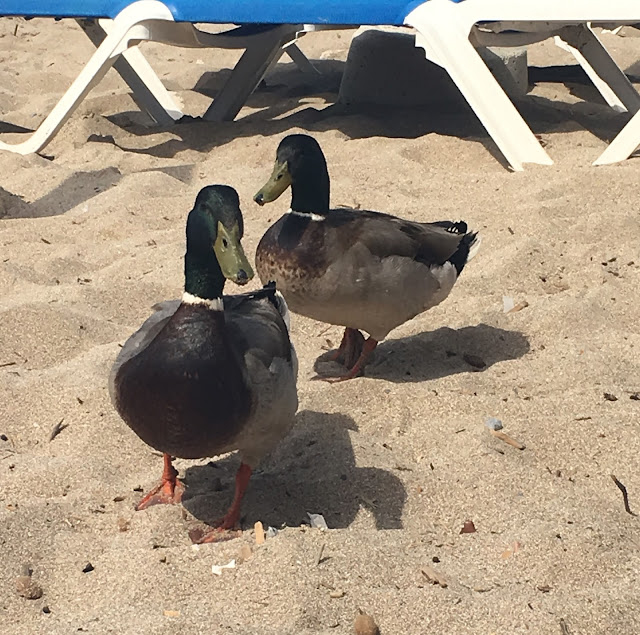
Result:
[[92, 235]]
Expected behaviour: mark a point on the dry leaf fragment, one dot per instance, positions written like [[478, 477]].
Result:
[[503, 436], [171, 613], [434, 577], [518, 307]]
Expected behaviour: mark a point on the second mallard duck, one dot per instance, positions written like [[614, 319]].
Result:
[[360, 269]]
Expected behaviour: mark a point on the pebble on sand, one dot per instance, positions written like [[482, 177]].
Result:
[[468, 527], [365, 625]]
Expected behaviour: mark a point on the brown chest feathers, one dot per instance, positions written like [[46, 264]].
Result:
[[292, 251]]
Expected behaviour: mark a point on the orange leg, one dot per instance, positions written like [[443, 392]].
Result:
[[222, 530], [338, 354], [350, 348], [367, 349], [170, 490]]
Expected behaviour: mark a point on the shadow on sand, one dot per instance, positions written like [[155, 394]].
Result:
[[286, 89], [438, 353], [313, 470]]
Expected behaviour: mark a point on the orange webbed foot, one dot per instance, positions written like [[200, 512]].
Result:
[[226, 528], [215, 534], [366, 350], [170, 490], [167, 493]]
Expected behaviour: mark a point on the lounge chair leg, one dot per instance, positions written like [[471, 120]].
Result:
[[446, 41], [117, 41], [606, 75], [148, 91], [297, 56], [90, 75], [623, 146], [301, 60], [246, 75]]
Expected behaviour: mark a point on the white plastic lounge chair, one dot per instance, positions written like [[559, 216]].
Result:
[[448, 30], [116, 36], [624, 145]]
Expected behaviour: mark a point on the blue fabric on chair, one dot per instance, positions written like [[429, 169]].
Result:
[[355, 12]]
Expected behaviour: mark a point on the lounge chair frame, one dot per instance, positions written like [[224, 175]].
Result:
[[449, 32], [149, 20]]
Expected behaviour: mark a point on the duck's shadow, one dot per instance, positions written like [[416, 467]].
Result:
[[439, 353], [313, 470]]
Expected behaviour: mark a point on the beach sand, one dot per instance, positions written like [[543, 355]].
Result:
[[92, 235]]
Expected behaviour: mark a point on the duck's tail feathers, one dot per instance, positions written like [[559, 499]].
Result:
[[454, 227], [467, 249], [475, 246]]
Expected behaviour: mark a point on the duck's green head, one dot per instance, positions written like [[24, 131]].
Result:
[[214, 251], [300, 164]]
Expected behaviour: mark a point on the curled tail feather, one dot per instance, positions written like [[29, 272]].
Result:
[[467, 249]]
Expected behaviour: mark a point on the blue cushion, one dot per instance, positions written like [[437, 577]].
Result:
[[391, 12]]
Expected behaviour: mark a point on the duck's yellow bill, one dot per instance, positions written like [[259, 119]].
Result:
[[230, 254], [278, 182]]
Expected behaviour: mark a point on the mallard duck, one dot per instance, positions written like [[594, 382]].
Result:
[[209, 373], [360, 269]]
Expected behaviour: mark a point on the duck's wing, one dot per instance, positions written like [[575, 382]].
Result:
[[384, 235], [384, 270], [163, 311], [257, 329], [259, 322], [429, 243]]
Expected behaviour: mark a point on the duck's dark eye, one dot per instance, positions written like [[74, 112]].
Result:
[[278, 177], [225, 244]]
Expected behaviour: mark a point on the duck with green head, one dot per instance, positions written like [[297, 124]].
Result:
[[360, 269], [209, 373]]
